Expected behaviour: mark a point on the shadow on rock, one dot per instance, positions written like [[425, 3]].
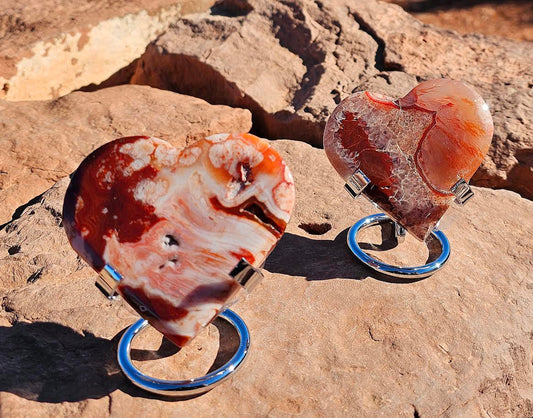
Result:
[[315, 259], [49, 362]]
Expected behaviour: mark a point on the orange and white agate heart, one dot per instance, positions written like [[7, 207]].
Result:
[[413, 150], [175, 222]]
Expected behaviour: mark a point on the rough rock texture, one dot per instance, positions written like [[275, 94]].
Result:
[[330, 338], [510, 19], [319, 52], [49, 48], [44, 141]]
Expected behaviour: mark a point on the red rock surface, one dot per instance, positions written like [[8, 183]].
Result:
[[328, 336], [49, 48], [509, 19], [319, 53]]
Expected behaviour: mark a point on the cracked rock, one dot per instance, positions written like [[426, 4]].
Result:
[[49, 48]]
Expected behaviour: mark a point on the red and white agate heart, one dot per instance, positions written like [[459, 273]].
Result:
[[175, 222], [413, 149]]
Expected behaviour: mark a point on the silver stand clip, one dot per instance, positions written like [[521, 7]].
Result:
[[246, 275], [399, 232], [462, 192], [107, 282], [356, 183], [243, 273]]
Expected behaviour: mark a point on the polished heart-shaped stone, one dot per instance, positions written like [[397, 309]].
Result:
[[413, 150], [175, 222]]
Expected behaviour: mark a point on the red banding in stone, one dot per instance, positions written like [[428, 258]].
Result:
[[96, 217]]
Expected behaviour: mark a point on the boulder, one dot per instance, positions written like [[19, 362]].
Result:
[[329, 336], [319, 52], [43, 141], [49, 48], [314, 55]]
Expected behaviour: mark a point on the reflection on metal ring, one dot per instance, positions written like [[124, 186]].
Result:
[[189, 387], [417, 272]]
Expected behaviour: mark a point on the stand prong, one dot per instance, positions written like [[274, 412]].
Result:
[[399, 232], [246, 275], [107, 282], [356, 183], [462, 192]]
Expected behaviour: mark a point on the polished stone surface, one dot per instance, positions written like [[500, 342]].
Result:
[[413, 149], [175, 222]]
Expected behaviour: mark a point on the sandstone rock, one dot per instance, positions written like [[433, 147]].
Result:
[[319, 52], [44, 141], [49, 48], [313, 57], [509, 19], [329, 337]]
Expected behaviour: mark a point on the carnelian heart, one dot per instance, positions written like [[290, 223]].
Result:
[[174, 223], [413, 150]]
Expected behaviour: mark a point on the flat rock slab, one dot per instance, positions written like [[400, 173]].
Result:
[[43, 141], [329, 337], [49, 48], [319, 52]]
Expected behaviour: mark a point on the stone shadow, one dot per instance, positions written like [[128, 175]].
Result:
[[317, 259], [49, 362]]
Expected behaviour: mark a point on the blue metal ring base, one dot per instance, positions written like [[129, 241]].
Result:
[[182, 388], [418, 272]]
